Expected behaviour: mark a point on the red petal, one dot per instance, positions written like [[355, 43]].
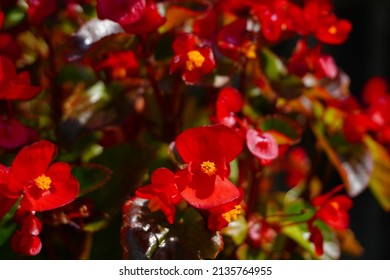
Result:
[[149, 22], [374, 89], [31, 162], [121, 11], [184, 43], [317, 239], [7, 70], [192, 77], [232, 98], [28, 245], [12, 134], [322, 199], [177, 62], [231, 37], [206, 192], [31, 225], [213, 143], [64, 189], [262, 145], [163, 176], [209, 62]]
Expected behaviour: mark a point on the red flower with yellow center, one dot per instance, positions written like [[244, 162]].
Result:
[[208, 151], [44, 186], [333, 209], [193, 60]]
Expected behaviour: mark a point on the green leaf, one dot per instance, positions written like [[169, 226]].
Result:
[[284, 130], [353, 162], [380, 180], [147, 235], [177, 15], [91, 176], [98, 221], [300, 236], [7, 226], [273, 67], [108, 44]]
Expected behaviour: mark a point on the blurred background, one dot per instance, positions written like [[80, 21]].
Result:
[[365, 54]]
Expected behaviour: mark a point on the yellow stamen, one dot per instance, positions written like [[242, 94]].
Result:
[[195, 60], [250, 52], [208, 167], [43, 182], [232, 215], [332, 30], [335, 205]]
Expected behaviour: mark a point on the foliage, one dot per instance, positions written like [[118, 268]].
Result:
[[177, 132]]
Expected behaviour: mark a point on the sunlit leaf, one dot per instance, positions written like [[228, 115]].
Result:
[[380, 179], [109, 44], [90, 33], [272, 65], [96, 222], [349, 244], [82, 104], [354, 163], [237, 230], [147, 235], [177, 15]]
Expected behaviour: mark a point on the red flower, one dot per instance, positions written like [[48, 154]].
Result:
[[262, 145], [275, 18], [333, 210], [220, 216], [162, 192], [123, 12], [229, 102], [305, 60], [26, 240], [150, 20], [208, 151], [15, 86], [355, 126], [317, 18], [332, 30], [44, 186], [374, 90], [193, 60], [120, 64], [297, 166], [233, 41], [6, 203], [1, 19], [260, 232], [38, 10], [13, 134]]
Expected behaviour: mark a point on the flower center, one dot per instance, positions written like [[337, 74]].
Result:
[[232, 214], [195, 60], [43, 182], [208, 167], [332, 30], [250, 51]]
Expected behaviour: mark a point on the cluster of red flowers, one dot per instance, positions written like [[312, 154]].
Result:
[[40, 186], [374, 118], [202, 41]]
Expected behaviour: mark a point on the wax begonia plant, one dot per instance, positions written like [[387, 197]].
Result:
[[179, 130]]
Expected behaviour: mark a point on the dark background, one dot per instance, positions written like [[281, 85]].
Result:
[[365, 54]]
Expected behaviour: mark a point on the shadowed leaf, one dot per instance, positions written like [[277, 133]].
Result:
[[147, 235]]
